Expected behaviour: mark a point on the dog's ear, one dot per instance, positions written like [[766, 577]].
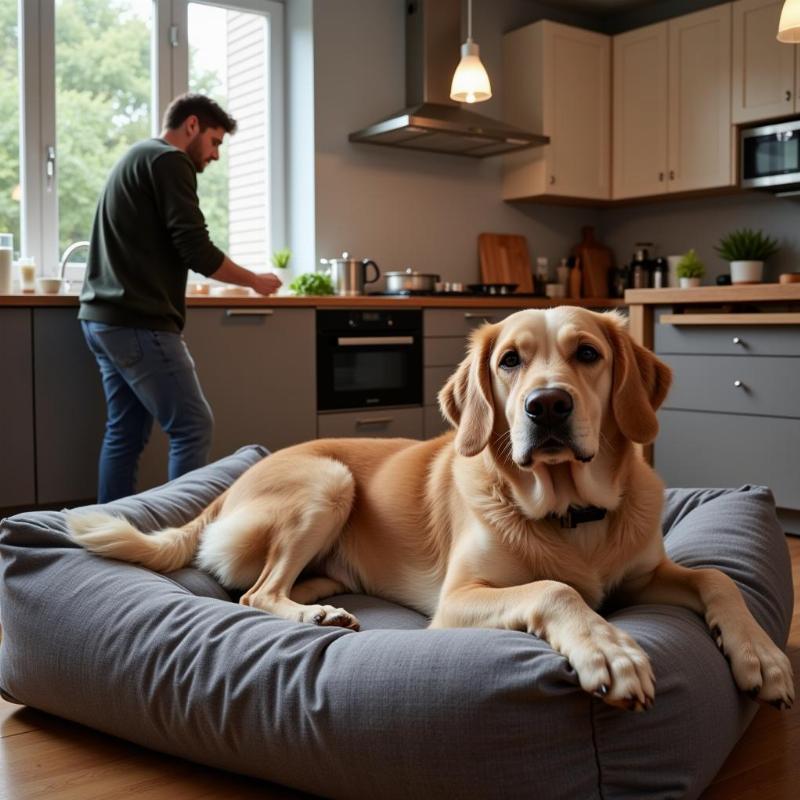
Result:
[[641, 382], [466, 399]]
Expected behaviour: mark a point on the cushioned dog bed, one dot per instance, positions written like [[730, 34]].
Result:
[[393, 711]]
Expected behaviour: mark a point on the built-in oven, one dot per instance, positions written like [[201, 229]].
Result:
[[770, 157], [368, 358]]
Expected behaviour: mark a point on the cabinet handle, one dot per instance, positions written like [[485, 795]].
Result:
[[739, 385], [249, 312], [375, 421], [661, 176], [552, 179], [788, 95], [672, 174], [737, 340], [370, 341], [484, 317]]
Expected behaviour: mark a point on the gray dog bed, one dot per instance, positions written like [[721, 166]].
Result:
[[395, 711]]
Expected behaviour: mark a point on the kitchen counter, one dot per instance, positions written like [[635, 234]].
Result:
[[201, 301]]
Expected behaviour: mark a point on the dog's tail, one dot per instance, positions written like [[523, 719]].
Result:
[[162, 551]]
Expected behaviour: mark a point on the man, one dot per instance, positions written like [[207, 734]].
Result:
[[148, 232]]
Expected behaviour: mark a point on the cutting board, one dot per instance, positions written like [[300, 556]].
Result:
[[596, 261], [504, 259]]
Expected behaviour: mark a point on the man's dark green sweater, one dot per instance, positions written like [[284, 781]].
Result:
[[148, 232]]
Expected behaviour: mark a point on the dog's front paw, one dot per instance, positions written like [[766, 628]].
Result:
[[611, 666], [759, 667], [329, 616]]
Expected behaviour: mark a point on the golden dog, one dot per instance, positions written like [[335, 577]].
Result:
[[468, 528]]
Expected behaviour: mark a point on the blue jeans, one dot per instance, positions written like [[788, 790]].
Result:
[[147, 374]]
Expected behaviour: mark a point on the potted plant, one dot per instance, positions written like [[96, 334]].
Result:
[[746, 250], [280, 258], [690, 269]]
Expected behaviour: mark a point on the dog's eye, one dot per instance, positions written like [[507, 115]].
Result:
[[586, 354], [510, 360]]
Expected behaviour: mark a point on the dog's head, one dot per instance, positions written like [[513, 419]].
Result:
[[553, 380]]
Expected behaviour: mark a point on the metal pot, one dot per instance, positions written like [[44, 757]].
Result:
[[349, 275], [410, 281]]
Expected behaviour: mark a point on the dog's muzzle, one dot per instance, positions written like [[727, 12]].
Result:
[[549, 410]]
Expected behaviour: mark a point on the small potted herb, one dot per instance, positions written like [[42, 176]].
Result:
[[690, 269], [746, 250], [280, 258]]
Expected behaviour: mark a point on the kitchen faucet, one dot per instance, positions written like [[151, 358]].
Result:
[[67, 253]]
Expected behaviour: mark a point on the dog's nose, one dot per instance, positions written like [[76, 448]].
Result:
[[548, 406]]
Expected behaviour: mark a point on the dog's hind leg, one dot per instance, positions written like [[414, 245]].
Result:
[[313, 506]]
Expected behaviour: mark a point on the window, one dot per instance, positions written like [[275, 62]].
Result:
[[102, 99], [10, 192], [97, 76]]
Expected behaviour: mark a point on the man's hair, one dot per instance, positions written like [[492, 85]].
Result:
[[208, 113]]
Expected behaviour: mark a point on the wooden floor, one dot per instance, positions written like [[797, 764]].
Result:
[[45, 757]]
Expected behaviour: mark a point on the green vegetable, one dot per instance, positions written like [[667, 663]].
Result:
[[312, 283], [690, 266], [746, 245], [280, 258]]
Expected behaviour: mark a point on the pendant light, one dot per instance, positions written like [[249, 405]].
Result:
[[470, 81], [789, 26]]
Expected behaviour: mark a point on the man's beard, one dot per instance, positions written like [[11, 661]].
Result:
[[195, 151]]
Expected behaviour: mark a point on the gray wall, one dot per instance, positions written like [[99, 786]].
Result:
[[413, 209], [426, 210]]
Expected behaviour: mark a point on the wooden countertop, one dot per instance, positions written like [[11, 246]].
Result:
[[750, 293], [257, 301]]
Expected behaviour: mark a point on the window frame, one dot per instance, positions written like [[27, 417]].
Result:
[[169, 77]]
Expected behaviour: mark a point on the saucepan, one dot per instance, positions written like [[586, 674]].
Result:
[[411, 281]]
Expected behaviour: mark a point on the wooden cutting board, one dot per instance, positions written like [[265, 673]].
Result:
[[504, 259], [596, 261]]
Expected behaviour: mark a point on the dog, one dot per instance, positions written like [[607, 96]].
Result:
[[527, 516]]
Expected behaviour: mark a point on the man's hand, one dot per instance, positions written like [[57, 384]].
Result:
[[266, 283], [261, 282]]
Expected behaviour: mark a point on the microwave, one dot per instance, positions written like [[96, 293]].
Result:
[[770, 157]]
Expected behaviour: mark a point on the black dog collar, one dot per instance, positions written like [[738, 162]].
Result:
[[575, 516]]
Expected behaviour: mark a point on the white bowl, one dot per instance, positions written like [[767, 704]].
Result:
[[49, 285]]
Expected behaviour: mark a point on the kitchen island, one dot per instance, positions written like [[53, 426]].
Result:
[[257, 361], [732, 416]]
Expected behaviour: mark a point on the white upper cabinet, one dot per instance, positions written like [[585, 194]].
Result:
[[557, 82], [763, 68], [640, 112], [700, 133]]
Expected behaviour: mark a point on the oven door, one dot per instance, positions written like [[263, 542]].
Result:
[[368, 370], [771, 155]]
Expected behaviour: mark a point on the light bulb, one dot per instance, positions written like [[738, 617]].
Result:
[[470, 80]]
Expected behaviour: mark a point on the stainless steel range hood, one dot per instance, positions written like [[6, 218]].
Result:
[[432, 121]]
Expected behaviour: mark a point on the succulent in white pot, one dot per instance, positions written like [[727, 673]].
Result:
[[690, 270], [746, 250]]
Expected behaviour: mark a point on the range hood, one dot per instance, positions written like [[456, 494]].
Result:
[[432, 121]]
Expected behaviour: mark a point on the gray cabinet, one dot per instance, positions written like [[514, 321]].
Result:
[[17, 486], [257, 369], [69, 408], [445, 344], [733, 415]]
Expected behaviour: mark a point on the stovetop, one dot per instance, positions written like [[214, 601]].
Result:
[[428, 293]]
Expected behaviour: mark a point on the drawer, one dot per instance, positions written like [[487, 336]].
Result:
[[444, 351], [768, 385], [460, 321], [385, 422], [695, 449], [435, 423], [435, 378], [744, 340]]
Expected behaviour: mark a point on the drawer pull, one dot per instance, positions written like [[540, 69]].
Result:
[[249, 312], [375, 421], [484, 317], [739, 385], [737, 340]]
